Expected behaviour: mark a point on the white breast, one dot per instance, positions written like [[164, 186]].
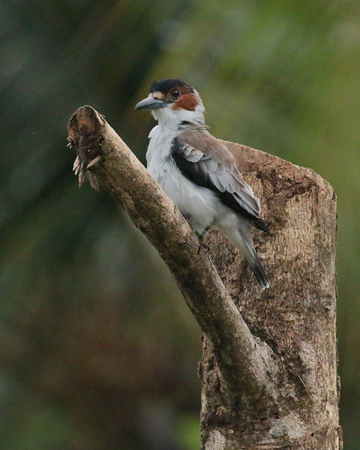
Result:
[[196, 203]]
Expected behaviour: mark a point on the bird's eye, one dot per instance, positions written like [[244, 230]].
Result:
[[175, 94]]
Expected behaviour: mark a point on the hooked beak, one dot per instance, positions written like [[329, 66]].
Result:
[[149, 104]]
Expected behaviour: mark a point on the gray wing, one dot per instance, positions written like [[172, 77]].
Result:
[[208, 163]]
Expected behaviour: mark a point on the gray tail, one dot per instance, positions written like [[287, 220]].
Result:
[[242, 239], [252, 257], [258, 269]]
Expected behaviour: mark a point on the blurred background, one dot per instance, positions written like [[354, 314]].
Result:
[[97, 348]]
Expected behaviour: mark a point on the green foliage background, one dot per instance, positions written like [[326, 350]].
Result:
[[97, 349]]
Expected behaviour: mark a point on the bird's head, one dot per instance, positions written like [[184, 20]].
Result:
[[173, 101]]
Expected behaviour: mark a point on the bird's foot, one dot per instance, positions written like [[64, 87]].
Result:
[[204, 246], [202, 234], [200, 237]]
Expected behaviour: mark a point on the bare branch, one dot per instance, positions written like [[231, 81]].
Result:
[[243, 359]]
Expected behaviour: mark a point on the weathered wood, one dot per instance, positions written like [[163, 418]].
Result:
[[242, 358], [269, 381], [296, 317]]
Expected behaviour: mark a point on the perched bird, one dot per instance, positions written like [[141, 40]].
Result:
[[198, 172]]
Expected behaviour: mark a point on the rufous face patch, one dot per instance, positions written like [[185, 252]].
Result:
[[186, 101]]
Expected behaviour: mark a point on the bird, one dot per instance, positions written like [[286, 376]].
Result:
[[198, 172]]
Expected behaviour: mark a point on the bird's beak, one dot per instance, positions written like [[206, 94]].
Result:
[[149, 104]]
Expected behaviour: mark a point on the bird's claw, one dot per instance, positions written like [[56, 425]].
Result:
[[204, 246]]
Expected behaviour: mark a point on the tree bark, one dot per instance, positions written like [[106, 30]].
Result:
[[268, 370], [296, 317]]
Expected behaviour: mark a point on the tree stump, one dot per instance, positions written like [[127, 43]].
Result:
[[295, 317]]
